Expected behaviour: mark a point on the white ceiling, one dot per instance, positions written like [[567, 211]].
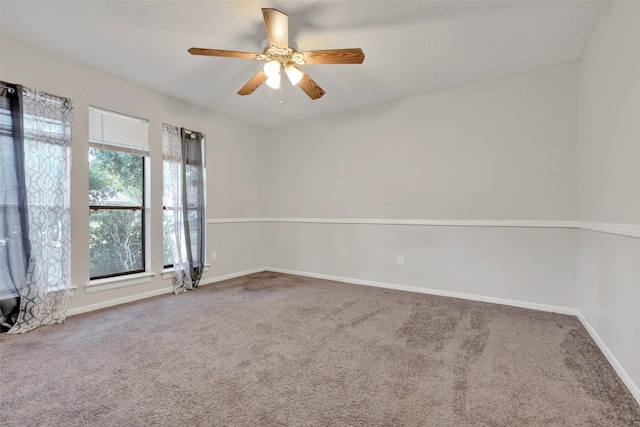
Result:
[[411, 47]]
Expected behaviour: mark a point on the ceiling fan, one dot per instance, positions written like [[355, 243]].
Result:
[[278, 55]]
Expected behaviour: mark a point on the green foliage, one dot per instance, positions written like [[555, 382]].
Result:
[[115, 177], [115, 242], [115, 236]]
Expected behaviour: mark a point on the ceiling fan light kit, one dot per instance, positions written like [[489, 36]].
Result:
[[293, 74], [274, 81], [272, 70], [278, 55]]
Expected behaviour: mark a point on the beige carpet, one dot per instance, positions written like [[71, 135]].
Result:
[[279, 350]]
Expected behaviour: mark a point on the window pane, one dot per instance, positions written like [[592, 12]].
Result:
[[115, 241], [193, 235], [11, 250], [115, 179], [167, 221], [193, 185]]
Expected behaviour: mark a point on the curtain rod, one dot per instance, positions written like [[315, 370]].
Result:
[[9, 89], [192, 133]]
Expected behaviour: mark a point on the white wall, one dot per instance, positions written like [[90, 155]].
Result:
[[525, 265], [608, 273], [502, 149], [235, 171], [609, 173], [499, 150]]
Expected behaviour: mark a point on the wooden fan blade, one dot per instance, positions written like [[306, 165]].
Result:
[[225, 53], [277, 25], [334, 56], [253, 84], [309, 87]]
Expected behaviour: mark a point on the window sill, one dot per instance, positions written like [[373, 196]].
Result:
[[167, 273], [100, 285]]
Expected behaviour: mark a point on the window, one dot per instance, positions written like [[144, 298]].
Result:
[[194, 175], [117, 156], [167, 221], [184, 201]]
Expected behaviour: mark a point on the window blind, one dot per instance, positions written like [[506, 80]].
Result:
[[119, 132]]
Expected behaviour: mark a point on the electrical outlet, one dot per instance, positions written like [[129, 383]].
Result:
[[401, 260], [214, 256]]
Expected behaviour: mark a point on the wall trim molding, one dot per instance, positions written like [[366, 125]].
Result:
[[234, 220], [626, 379], [117, 282], [431, 222], [430, 291], [629, 230]]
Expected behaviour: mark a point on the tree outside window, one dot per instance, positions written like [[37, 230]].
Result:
[[116, 225]]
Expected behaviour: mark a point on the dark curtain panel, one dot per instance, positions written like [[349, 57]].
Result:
[[193, 201], [14, 223]]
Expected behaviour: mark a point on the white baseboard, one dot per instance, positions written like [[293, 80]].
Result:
[[231, 276], [154, 293], [118, 301], [473, 297], [626, 379]]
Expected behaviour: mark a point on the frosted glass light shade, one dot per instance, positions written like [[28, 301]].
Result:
[[274, 81], [294, 75], [272, 68]]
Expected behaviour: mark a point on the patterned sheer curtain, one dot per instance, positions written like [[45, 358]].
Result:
[[34, 198], [184, 180]]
